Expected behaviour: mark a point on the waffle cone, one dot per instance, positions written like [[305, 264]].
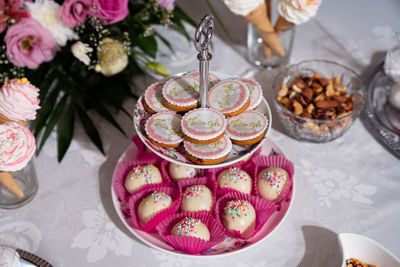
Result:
[[6, 178], [4, 119], [258, 17], [282, 24]]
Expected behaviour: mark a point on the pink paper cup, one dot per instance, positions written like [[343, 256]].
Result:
[[135, 200], [123, 169], [207, 181], [142, 152], [188, 244], [262, 163], [243, 165], [263, 207]]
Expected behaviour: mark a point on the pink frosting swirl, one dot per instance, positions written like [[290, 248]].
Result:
[[17, 145], [19, 100]]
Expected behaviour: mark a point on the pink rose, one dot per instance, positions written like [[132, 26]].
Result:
[[167, 4], [11, 10], [73, 12], [110, 11], [29, 44]]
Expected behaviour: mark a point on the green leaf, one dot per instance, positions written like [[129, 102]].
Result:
[[148, 45], [45, 111], [55, 116], [165, 41], [181, 15], [102, 110], [46, 84], [157, 67], [65, 131], [219, 20], [90, 129]]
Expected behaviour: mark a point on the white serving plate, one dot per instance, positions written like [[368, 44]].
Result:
[[366, 250], [230, 246], [238, 153]]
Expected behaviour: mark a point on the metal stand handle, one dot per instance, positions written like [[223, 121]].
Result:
[[204, 56]]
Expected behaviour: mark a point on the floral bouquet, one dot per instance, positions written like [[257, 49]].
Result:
[[82, 55]]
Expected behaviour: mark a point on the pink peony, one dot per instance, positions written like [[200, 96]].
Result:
[[73, 12], [110, 11], [11, 10], [29, 44], [167, 4]]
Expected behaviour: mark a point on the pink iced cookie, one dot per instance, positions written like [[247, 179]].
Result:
[[19, 100], [212, 78], [208, 154], [17, 145], [181, 93], [203, 125], [255, 93], [230, 97], [153, 98], [247, 128], [164, 129]]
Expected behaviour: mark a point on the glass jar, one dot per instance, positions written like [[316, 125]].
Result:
[[27, 181], [257, 53]]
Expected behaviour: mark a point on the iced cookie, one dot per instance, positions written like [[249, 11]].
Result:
[[152, 100], [203, 126], [271, 183], [140, 176], [178, 172], [236, 179], [191, 227], [239, 215], [197, 198], [230, 97], [212, 78], [247, 128], [153, 204], [255, 93], [164, 129], [208, 154], [181, 93]]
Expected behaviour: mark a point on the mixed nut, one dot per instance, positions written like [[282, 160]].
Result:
[[318, 98], [356, 263]]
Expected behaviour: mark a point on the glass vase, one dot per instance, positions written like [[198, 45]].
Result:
[[257, 52], [27, 181]]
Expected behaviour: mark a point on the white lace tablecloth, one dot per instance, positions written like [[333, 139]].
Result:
[[349, 185]]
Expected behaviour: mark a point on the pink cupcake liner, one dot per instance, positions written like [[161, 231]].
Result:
[[123, 169], [207, 181], [188, 244], [263, 207], [262, 163], [135, 200], [243, 165], [142, 152]]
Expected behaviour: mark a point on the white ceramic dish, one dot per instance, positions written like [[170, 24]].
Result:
[[228, 247], [366, 250], [177, 155]]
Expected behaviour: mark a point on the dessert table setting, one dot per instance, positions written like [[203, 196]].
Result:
[[229, 133]]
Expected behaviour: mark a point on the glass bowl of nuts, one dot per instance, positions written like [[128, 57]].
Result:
[[318, 100]]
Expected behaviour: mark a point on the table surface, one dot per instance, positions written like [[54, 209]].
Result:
[[348, 185]]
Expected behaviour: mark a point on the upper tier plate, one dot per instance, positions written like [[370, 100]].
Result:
[[177, 155]]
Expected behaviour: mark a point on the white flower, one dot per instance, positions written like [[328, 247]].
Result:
[[100, 236], [47, 12], [80, 50], [112, 57]]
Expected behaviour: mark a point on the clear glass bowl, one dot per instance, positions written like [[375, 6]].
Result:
[[315, 130]]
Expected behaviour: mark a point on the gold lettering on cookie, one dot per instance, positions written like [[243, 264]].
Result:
[[212, 124], [251, 88], [255, 124]]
